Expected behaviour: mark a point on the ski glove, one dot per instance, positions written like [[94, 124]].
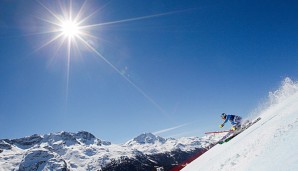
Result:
[[221, 125]]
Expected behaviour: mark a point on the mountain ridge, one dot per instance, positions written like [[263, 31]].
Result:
[[83, 151]]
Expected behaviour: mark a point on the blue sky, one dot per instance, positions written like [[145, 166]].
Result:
[[164, 66]]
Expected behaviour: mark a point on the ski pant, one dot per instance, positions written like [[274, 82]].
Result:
[[237, 121]]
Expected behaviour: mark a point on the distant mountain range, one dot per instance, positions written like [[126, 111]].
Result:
[[83, 151]]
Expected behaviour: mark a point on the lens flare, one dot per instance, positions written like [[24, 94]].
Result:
[[70, 29]]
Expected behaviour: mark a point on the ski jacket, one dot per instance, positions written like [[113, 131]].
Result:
[[235, 120]]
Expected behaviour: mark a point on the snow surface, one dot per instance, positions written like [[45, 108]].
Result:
[[270, 144]]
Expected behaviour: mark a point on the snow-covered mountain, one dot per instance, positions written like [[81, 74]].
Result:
[[148, 143], [270, 144], [83, 151]]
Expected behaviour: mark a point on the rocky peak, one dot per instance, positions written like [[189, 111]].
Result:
[[148, 138], [65, 138], [85, 135], [27, 141], [87, 138]]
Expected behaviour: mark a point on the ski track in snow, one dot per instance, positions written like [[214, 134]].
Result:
[[270, 144]]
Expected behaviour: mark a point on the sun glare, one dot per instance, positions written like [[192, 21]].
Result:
[[70, 29]]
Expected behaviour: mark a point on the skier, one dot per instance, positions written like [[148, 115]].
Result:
[[234, 119]]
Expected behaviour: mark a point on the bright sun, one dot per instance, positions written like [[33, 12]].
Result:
[[70, 28]]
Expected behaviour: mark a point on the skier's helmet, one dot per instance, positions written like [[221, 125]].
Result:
[[223, 116]]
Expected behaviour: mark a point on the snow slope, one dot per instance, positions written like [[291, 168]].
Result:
[[270, 144]]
